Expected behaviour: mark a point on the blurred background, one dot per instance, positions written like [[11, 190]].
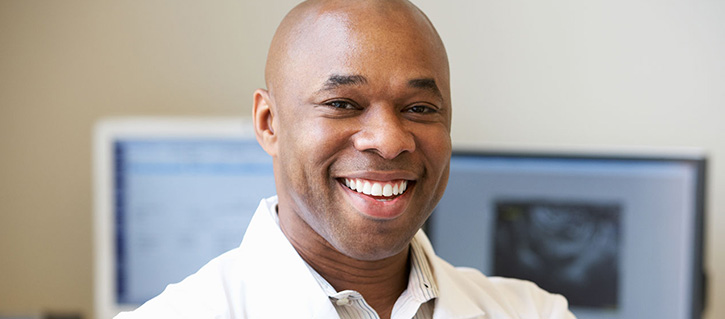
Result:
[[562, 73]]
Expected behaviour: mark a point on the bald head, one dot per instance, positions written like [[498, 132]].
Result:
[[346, 27], [356, 89]]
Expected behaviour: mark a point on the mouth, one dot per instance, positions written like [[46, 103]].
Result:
[[379, 190], [379, 195]]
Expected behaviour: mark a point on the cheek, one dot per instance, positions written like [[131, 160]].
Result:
[[323, 139], [435, 144], [299, 138], [307, 149]]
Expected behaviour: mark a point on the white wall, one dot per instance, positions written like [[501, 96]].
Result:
[[582, 73]]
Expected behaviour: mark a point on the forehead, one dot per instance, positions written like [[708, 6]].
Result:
[[384, 47]]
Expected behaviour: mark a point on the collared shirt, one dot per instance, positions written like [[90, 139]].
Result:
[[416, 301], [266, 278]]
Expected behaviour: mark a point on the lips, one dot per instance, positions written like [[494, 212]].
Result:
[[379, 199], [376, 188]]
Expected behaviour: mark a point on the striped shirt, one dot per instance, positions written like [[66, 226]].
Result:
[[415, 302]]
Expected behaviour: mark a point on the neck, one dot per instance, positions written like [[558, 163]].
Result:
[[380, 282]]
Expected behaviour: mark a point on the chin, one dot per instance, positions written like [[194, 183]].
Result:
[[372, 255], [371, 247]]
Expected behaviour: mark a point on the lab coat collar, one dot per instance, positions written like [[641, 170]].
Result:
[[279, 271]]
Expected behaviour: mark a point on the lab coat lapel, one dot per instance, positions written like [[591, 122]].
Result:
[[458, 297], [277, 270]]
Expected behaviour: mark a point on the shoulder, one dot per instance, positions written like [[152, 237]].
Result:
[[506, 297], [496, 297], [530, 299]]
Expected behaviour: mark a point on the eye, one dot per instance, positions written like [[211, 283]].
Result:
[[421, 108], [342, 105]]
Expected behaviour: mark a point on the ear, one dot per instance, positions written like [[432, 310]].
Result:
[[264, 119]]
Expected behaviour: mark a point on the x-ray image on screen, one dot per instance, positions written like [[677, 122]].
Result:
[[571, 248], [619, 236]]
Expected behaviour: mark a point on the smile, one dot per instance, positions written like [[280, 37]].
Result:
[[376, 188], [378, 199]]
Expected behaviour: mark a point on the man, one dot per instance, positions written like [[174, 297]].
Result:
[[357, 117]]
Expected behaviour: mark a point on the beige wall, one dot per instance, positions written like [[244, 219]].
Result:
[[544, 73]]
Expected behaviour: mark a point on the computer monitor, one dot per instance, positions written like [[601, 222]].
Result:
[[170, 195], [620, 234]]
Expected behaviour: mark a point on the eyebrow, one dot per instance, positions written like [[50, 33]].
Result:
[[427, 84], [337, 80]]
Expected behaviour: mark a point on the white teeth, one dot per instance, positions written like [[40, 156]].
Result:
[[387, 190], [366, 189], [376, 188]]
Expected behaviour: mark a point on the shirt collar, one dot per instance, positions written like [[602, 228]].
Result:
[[421, 288], [421, 283], [453, 302]]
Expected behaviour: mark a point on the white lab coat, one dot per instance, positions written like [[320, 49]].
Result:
[[265, 278]]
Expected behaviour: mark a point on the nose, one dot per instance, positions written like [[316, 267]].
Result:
[[383, 131]]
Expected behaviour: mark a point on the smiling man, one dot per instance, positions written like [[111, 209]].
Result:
[[357, 119]]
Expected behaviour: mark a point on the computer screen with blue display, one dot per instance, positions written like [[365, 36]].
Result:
[[619, 236], [178, 198], [179, 203]]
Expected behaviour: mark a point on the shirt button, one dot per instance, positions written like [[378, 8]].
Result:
[[342, 302]]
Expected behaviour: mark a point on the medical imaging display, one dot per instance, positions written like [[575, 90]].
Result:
[[571, 248]]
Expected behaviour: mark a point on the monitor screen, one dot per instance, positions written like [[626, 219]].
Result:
[[179, 203], [619, 236], [171, 194]]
